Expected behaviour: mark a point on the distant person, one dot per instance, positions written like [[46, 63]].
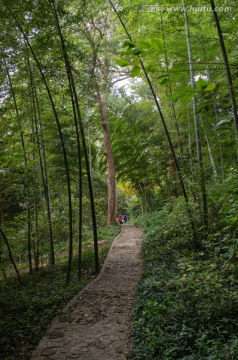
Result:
[[125, 218], [120, 219]]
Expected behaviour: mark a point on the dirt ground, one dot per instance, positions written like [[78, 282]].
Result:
[[95, 324]]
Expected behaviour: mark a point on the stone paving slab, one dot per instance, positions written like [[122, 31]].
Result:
[[95, 324]]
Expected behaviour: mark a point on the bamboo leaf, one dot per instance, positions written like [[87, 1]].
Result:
[[156, 43], [201, 84], [128, 43], [210, 87], [136, 61], [163, 81], [144, 45], [122, 62], [135, 71]]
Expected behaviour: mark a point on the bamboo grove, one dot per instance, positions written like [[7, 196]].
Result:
[[69, 131]]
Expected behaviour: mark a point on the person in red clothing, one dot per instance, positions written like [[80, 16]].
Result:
[[120, 219]]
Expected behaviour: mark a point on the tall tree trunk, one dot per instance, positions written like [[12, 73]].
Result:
[[214, 170], [35, 202], [215, 113], [196, 124], [35, 238], [80, 208], [102, 100], [43, 165], [190, 140], [101, 90], [90, 151], [42, 159], [228, 72], [170, 88]]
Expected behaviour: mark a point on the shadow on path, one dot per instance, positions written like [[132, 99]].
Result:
[[95, 324]]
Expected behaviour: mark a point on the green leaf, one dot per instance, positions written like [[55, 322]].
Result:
[[136, 61], [129, 51], [122, 62], [128, 43], [135, 71], [210, 87], [150, 66], [144, 45], [201, 84], [163, 81], [186, 95], [163, 76], [137, 51], [156, 43]]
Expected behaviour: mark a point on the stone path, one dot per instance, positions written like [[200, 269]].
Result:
[[95, 324]]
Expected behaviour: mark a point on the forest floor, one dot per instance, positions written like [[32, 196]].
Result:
[[95, 324]]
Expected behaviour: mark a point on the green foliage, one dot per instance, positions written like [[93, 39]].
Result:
[[203, 85], [206, 280], [122, 62], [170, 225], [135, 71], [26, 311], [187, 301]]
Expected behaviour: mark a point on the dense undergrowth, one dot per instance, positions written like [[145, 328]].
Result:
[[27, 310], [187, 302]]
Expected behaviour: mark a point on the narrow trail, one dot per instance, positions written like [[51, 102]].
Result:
[[95, 324]]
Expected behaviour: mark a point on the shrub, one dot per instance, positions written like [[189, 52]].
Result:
[[187, 301]]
